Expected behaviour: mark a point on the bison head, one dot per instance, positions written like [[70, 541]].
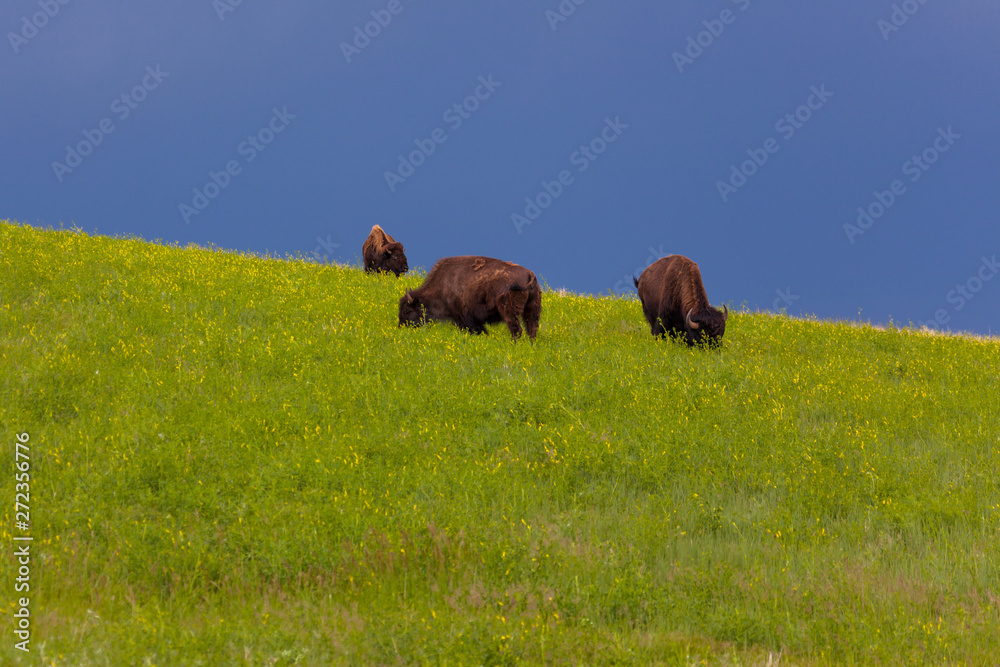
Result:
[[392, 258], [411, 311], [707, 325]]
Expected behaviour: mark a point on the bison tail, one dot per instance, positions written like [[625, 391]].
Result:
[[532, 281], [636, 281]]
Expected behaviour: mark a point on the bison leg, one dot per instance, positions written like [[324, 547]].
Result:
[[515, 328], [656, 328], [472, 325], [511, 305], [512, 316], [533, 313], [655, 323]]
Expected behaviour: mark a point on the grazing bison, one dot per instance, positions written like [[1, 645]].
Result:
[[475, 291], [674, 299], [381, 252]]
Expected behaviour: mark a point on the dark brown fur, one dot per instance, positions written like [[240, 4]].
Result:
[[671, 290], [473, 292], [381, 252]]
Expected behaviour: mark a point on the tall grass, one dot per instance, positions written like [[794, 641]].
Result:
[[244, 461]]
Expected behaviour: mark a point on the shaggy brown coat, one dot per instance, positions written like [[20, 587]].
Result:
[[674, 299], [475, 291], [381, 252]]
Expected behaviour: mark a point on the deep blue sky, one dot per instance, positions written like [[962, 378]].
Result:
[[777, 241]]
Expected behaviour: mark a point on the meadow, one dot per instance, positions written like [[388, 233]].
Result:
[[240, 460]]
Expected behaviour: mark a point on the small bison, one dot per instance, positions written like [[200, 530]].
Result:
[[474, 291], [381, 252], [674, 299]]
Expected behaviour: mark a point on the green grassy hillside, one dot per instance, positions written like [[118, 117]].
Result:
[[243, 461]]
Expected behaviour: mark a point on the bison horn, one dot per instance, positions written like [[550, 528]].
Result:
[[689, 322], [725, 315], [409, 297]]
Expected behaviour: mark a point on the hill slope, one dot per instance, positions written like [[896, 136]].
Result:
[[238, 460]]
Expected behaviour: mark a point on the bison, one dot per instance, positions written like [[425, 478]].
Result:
[[474, 291], [381, 252], [674, 299]]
